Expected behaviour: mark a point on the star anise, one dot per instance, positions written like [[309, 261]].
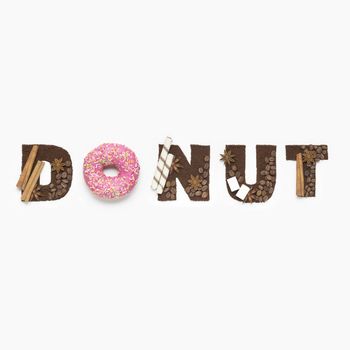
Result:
[[228, 157], [176, 165], [195, 182], [58, 165], [309, 157]]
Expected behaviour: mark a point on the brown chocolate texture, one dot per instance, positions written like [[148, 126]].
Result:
[[311, 154], [193, 176], [234, 158], [61, 172]]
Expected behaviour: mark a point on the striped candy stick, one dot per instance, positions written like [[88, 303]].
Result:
[[161, 164], [165, 173]]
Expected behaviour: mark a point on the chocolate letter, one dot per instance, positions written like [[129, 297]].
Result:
[[193, 177], [61, 172], [262, 190], [310, 155]]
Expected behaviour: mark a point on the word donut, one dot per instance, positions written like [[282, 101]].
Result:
[[110, 155]]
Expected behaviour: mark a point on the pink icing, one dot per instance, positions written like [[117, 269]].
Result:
[[111, 155]]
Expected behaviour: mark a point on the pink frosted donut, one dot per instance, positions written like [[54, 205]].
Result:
[[106, 156]]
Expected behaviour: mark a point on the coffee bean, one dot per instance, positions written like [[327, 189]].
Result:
[[269, 177], [238, 174], [267, 167], [206, 166], [266, 159], [205, 174], [319, 150], [262, 182], [198, 193], [64, 175], [234, 168], [241, 179], [204, 188], [258, 193], [265, 198], [206, 158], [231, 173], [58, 176], [204, 182], [200, 170], [205, 195]]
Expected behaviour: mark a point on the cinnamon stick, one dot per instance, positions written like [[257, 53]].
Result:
[[300, 176], [27, 169], [32, 181]]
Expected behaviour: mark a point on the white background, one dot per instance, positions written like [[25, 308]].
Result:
[[84, 274]]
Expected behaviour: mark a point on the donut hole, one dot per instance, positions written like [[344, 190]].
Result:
[[111, 171]]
